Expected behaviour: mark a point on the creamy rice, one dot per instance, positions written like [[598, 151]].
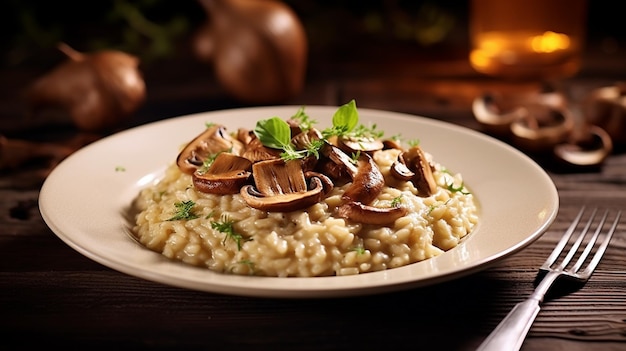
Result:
[[312, 242]]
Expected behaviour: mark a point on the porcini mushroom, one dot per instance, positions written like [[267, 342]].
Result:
[[212, 141], [417, 163], [361, 213], [281, 186], [367, 180], [368, 145], [226, 175], [255, 151]]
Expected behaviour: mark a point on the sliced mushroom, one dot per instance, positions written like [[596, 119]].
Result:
[[303, 139], [367, 183], [245, 136], [392, 144], [226, 175], [281, 187], [212, 141], [327, 183], [424, 180], [255, 151], [543, 128], [399, 169], [495, 113], [352, 145], [361, 213], [367, 180]]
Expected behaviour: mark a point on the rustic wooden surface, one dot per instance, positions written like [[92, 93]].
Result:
[[50, 295]]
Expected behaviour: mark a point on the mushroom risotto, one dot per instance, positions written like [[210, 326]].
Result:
[[287, 199]]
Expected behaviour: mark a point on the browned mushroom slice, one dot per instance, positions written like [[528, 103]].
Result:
[[327, 183], [392, 144], [367, 183], [424, 180], [255, 151], [399, 169], [367, 180], [245, 136], [226, 175], [281, 187], [212, 141], [368, 145], [361, 213], [302, 140]]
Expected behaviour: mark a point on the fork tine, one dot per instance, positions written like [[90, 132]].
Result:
[[579, 240], [564, 239], [591, 243], [515, 326], [605, 243]]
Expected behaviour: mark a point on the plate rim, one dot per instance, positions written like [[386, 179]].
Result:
[[327, 286]]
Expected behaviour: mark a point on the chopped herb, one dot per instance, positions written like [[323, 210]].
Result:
[[355, 157], [413, 142], [120, 169], [304, 121], [363, 132], [225, 225], [360, 250], [434, 206], [396, 201], [313, 149], [248, 263], [459, 189], [208, 161], [184, 211]]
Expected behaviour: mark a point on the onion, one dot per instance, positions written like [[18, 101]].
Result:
[[98, 90]]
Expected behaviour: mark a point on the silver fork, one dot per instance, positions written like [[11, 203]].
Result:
[[511, 332]]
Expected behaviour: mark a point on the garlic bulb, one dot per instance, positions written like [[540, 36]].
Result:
[[98, 90], [257, 48]]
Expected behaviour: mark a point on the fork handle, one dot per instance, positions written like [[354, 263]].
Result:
[[511, 332]]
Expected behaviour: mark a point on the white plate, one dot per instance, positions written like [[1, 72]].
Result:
[[86, 201]]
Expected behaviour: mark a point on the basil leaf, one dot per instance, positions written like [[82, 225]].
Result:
[[273, 132], [346, 117]]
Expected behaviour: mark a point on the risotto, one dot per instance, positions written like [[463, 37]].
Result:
[[391, 221]]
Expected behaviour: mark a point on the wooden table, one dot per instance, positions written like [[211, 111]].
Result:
[[50, 295]]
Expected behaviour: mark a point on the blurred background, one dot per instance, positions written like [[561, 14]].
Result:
[[413, 55]]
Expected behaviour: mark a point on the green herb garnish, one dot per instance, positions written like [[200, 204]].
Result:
[[304, 121], [225, 225], [184, 210], [344, 120], [396, 201], [457, 189], [360, 250], [275, 133]]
